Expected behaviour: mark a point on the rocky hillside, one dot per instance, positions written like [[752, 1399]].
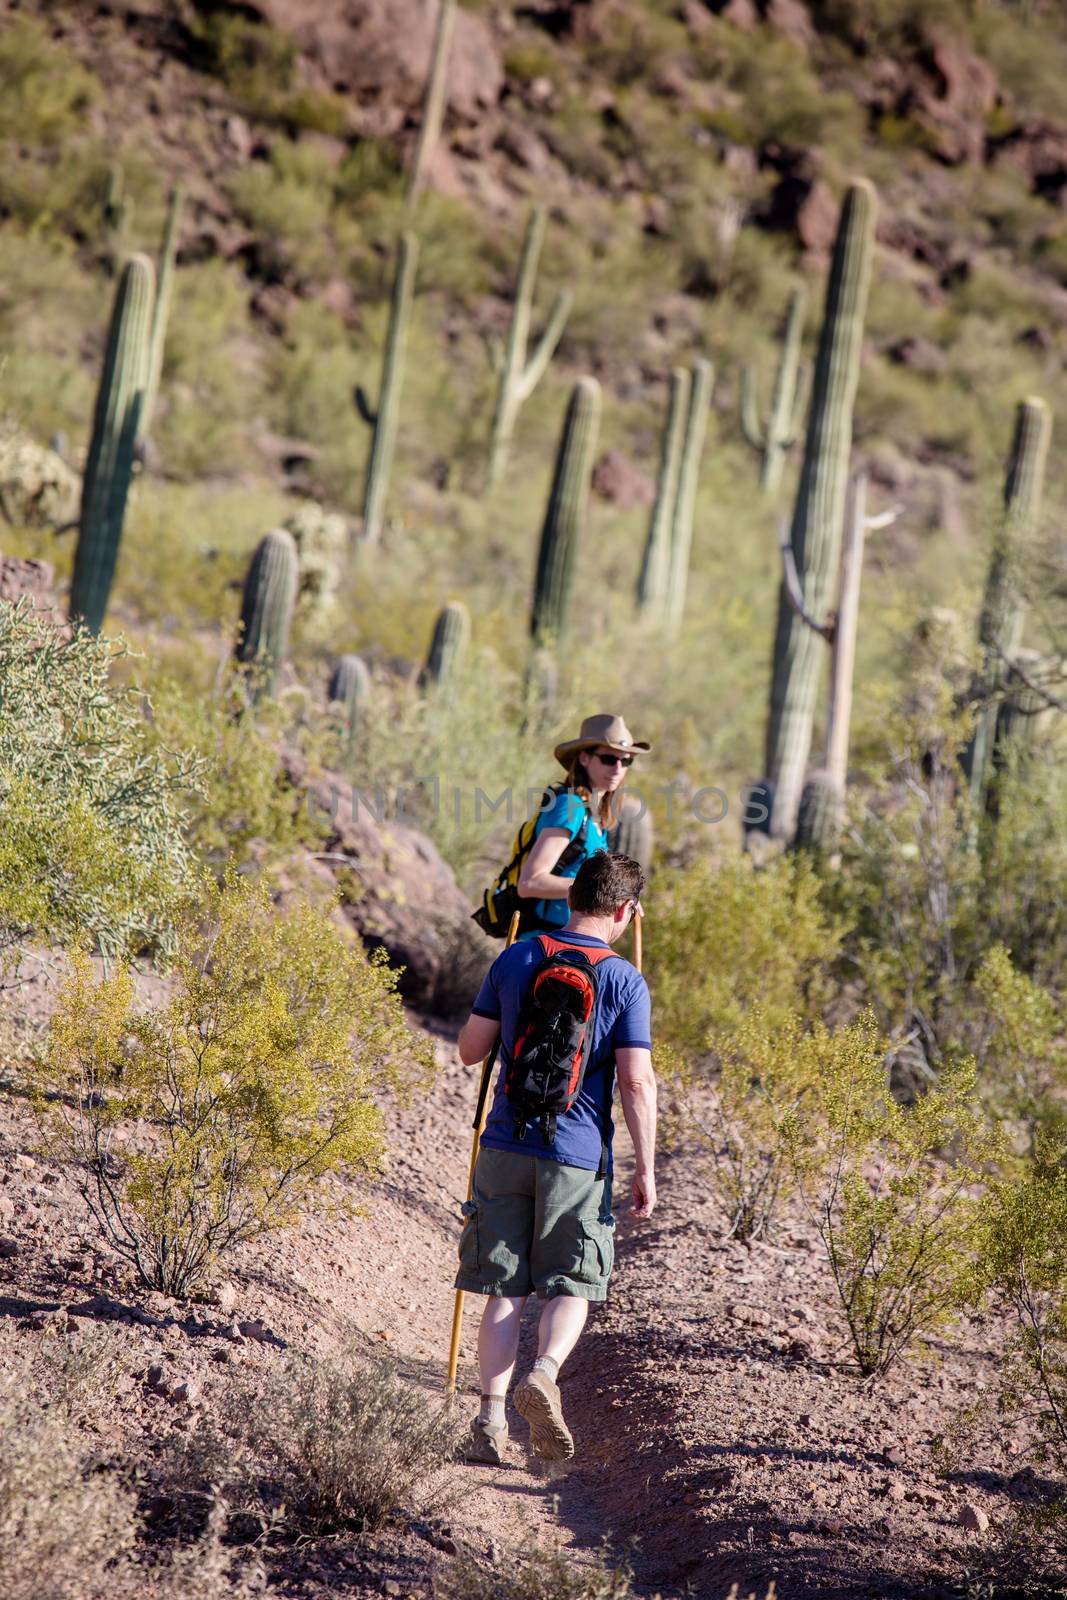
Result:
[[692, 155]]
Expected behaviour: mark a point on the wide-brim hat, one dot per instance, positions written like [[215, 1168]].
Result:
[[603, 728]]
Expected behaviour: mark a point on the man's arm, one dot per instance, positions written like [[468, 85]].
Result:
[[477, 1037], [637, 1090]]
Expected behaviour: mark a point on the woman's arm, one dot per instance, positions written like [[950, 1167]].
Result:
[[537, 881]]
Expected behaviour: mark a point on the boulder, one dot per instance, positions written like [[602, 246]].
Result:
[[398, 892], [1037, 152], [957, 92], [620, 483], [378, 51]]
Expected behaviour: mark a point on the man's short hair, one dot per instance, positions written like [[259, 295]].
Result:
[[605, 881]]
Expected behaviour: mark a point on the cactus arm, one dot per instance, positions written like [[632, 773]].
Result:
[[537, 365], [161, 309], [436, 99], [364, 407], [800, 406], [652, 583], [380, 459], [109, 465], [793, 590], [750, 422], [1003, 609], [696, 424], [818, 514], [494, 349]]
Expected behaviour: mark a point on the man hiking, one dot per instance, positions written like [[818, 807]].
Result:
[[540, 1218]]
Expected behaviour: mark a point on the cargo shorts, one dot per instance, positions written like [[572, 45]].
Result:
[[535, 1226]]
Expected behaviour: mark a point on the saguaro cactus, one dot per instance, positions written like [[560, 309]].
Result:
[[565, 514], [815, 536], [161, 308], [790, 397], [517, 375], [267, 609], [450, 636], [1003, 608], [350, 691], [384, 419], [655, 567], [633, 834], [696, 424], [433, 109], [109, 465]]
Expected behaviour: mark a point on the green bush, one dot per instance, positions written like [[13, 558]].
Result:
[[216, 1115], [1022, 1050], [729, 936], [1024, 1260], [743, 1109], [92, 846], [894, 1192]]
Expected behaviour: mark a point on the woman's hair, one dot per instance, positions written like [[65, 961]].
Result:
[[578, 780]]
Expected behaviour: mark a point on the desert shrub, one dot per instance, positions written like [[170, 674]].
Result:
[[742, 1106], [247, 810], [207, 1119], [893, 1192], [542, 1574], [1024, 1262], [92, 846], [287, 201], [926, 886], [729, 936], [257, 63], [1021, 1047], [340, 1442], [62, 1523]]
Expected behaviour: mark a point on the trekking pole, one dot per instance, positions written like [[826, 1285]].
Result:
[[479, 1124], [637, 942]]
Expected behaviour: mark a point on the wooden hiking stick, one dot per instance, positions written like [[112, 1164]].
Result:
[[479, 1124], [637, 952]]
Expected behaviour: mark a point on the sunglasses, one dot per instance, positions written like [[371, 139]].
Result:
[[614, 761]]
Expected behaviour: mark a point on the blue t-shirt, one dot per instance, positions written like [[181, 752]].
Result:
[[623, 1019], [569, 811]]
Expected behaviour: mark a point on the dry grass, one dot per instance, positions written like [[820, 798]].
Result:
[[545, 1574]]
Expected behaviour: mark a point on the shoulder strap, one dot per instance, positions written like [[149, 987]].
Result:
[[552, 945]]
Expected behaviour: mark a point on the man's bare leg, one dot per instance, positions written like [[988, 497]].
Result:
[[498, 1345], [537, 1396]]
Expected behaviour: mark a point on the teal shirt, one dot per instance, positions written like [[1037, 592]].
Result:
[[568, 811]]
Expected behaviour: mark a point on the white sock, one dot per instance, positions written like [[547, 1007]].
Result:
[[492, 1410], [547, 1364]]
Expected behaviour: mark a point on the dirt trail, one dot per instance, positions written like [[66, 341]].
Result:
[[719, 1433]]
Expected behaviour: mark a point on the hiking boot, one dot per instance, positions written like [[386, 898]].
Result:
[[537, 1399], [486, 1443]]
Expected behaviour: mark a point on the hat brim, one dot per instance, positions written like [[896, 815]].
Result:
[[570, 747]]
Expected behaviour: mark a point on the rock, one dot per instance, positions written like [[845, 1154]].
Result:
[[377, 53], [338, 296], [896, 1491], [657, 217], [8, 1248], [973, 1518], [816, 221], [1037, 151], [742, 13], [20, 1161], [620, 483], [696, 17], [226, 1297], [955, 98], [157, 1380], [7, 1208], [893, 1456], [188, 1393], [524, 148], [400, 893], [256, 1331], [792, 18], [921, 355]]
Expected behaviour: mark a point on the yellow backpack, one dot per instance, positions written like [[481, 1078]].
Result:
[[502, 899]]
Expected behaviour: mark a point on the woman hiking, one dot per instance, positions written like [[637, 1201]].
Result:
[[571, 826]]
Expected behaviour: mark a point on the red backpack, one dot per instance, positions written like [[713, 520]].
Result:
[[554, 1037]]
